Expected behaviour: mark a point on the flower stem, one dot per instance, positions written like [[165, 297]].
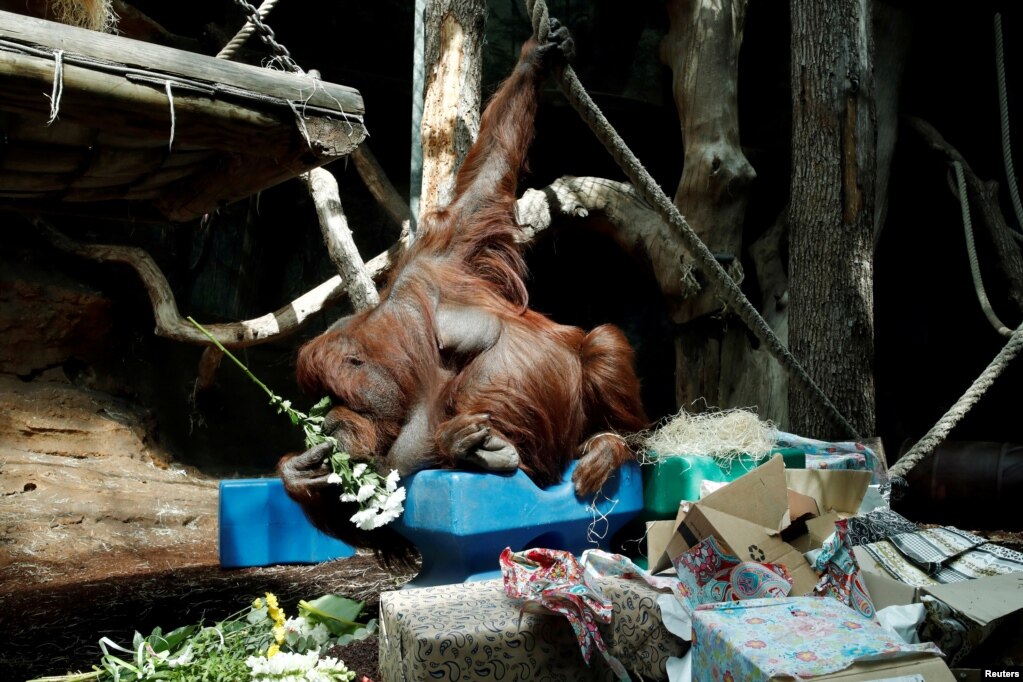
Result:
[[229, 354]]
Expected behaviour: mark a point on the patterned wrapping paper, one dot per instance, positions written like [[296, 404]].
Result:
[[803, 637], [844, 455], [556, 580], [876, 525], [474, 631], [841, 578], [938, 556]]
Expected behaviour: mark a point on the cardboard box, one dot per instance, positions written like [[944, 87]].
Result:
[[811, 637], [771, 515], [884, 589], [474, 631]]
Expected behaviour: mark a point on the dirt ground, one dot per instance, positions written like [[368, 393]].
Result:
[[53, 628], [101, 534]]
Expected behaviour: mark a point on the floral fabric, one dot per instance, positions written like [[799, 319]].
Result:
[[799, 637], [708, 574], [840, 574], [845, 455], [556, 580]]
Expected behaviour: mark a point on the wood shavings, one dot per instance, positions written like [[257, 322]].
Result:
[[723, 434]]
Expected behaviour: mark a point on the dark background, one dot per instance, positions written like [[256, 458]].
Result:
[[254, 256]]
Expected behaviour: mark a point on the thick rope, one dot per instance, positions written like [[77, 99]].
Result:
[[235, 44], [971, 251], [266, 34], [940, 430], [652, 193], [1003, 108]]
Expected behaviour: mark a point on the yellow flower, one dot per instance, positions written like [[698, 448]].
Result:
[[279, 633], [273, 609], [272, 651], [257, 603]]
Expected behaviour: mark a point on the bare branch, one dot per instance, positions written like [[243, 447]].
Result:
[[171, 325], [338, 238], [637, 228], [379, 185]]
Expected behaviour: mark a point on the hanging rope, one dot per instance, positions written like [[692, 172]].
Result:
[[235, 44], [940, 431], [266, 34], [971, 251], [652, 193], [1003, 108]]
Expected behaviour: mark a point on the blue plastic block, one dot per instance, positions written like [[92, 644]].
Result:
[[460, 521], [261, 526]]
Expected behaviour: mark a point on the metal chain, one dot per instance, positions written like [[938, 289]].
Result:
[[266, 34]]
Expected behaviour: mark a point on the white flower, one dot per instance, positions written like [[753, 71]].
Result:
[[184, 658], [349, 497], [392, 481], [394, 500], [283, 665], [335, 478], [303, 627], [365, 519], [366, 491], [359, 469]]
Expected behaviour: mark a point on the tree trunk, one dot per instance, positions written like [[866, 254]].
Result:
[[831, 216], [702, 48], [455, 30]]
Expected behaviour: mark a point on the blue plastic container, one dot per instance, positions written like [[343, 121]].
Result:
[[460, 521], [261, 526]]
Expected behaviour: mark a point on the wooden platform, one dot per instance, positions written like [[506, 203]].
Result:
[[120, 146]]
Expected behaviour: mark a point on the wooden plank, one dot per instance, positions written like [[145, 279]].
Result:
[[231, 179], [160, 59], [135, 115], [110, 102], [41, 158], [36, 183], [34, 129]]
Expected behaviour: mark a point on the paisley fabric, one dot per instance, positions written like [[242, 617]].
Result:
[[556, 580], [840, 574]]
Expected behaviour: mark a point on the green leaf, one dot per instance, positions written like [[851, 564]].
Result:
[[172, 639], [321, 408], [338, 614]]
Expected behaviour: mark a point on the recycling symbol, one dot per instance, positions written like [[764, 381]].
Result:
[[756, 553]]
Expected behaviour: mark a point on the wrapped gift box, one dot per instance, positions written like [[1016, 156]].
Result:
[[474, 631], [803, 637]]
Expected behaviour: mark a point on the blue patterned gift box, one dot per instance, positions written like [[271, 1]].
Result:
[[761, 639]]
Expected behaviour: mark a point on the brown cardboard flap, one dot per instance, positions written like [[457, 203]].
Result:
[[821, 528], [758, 497], [748, 541], [930, 667], [983, 600], [834, 490], [658, 535], [883, 588], [801, 505]]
